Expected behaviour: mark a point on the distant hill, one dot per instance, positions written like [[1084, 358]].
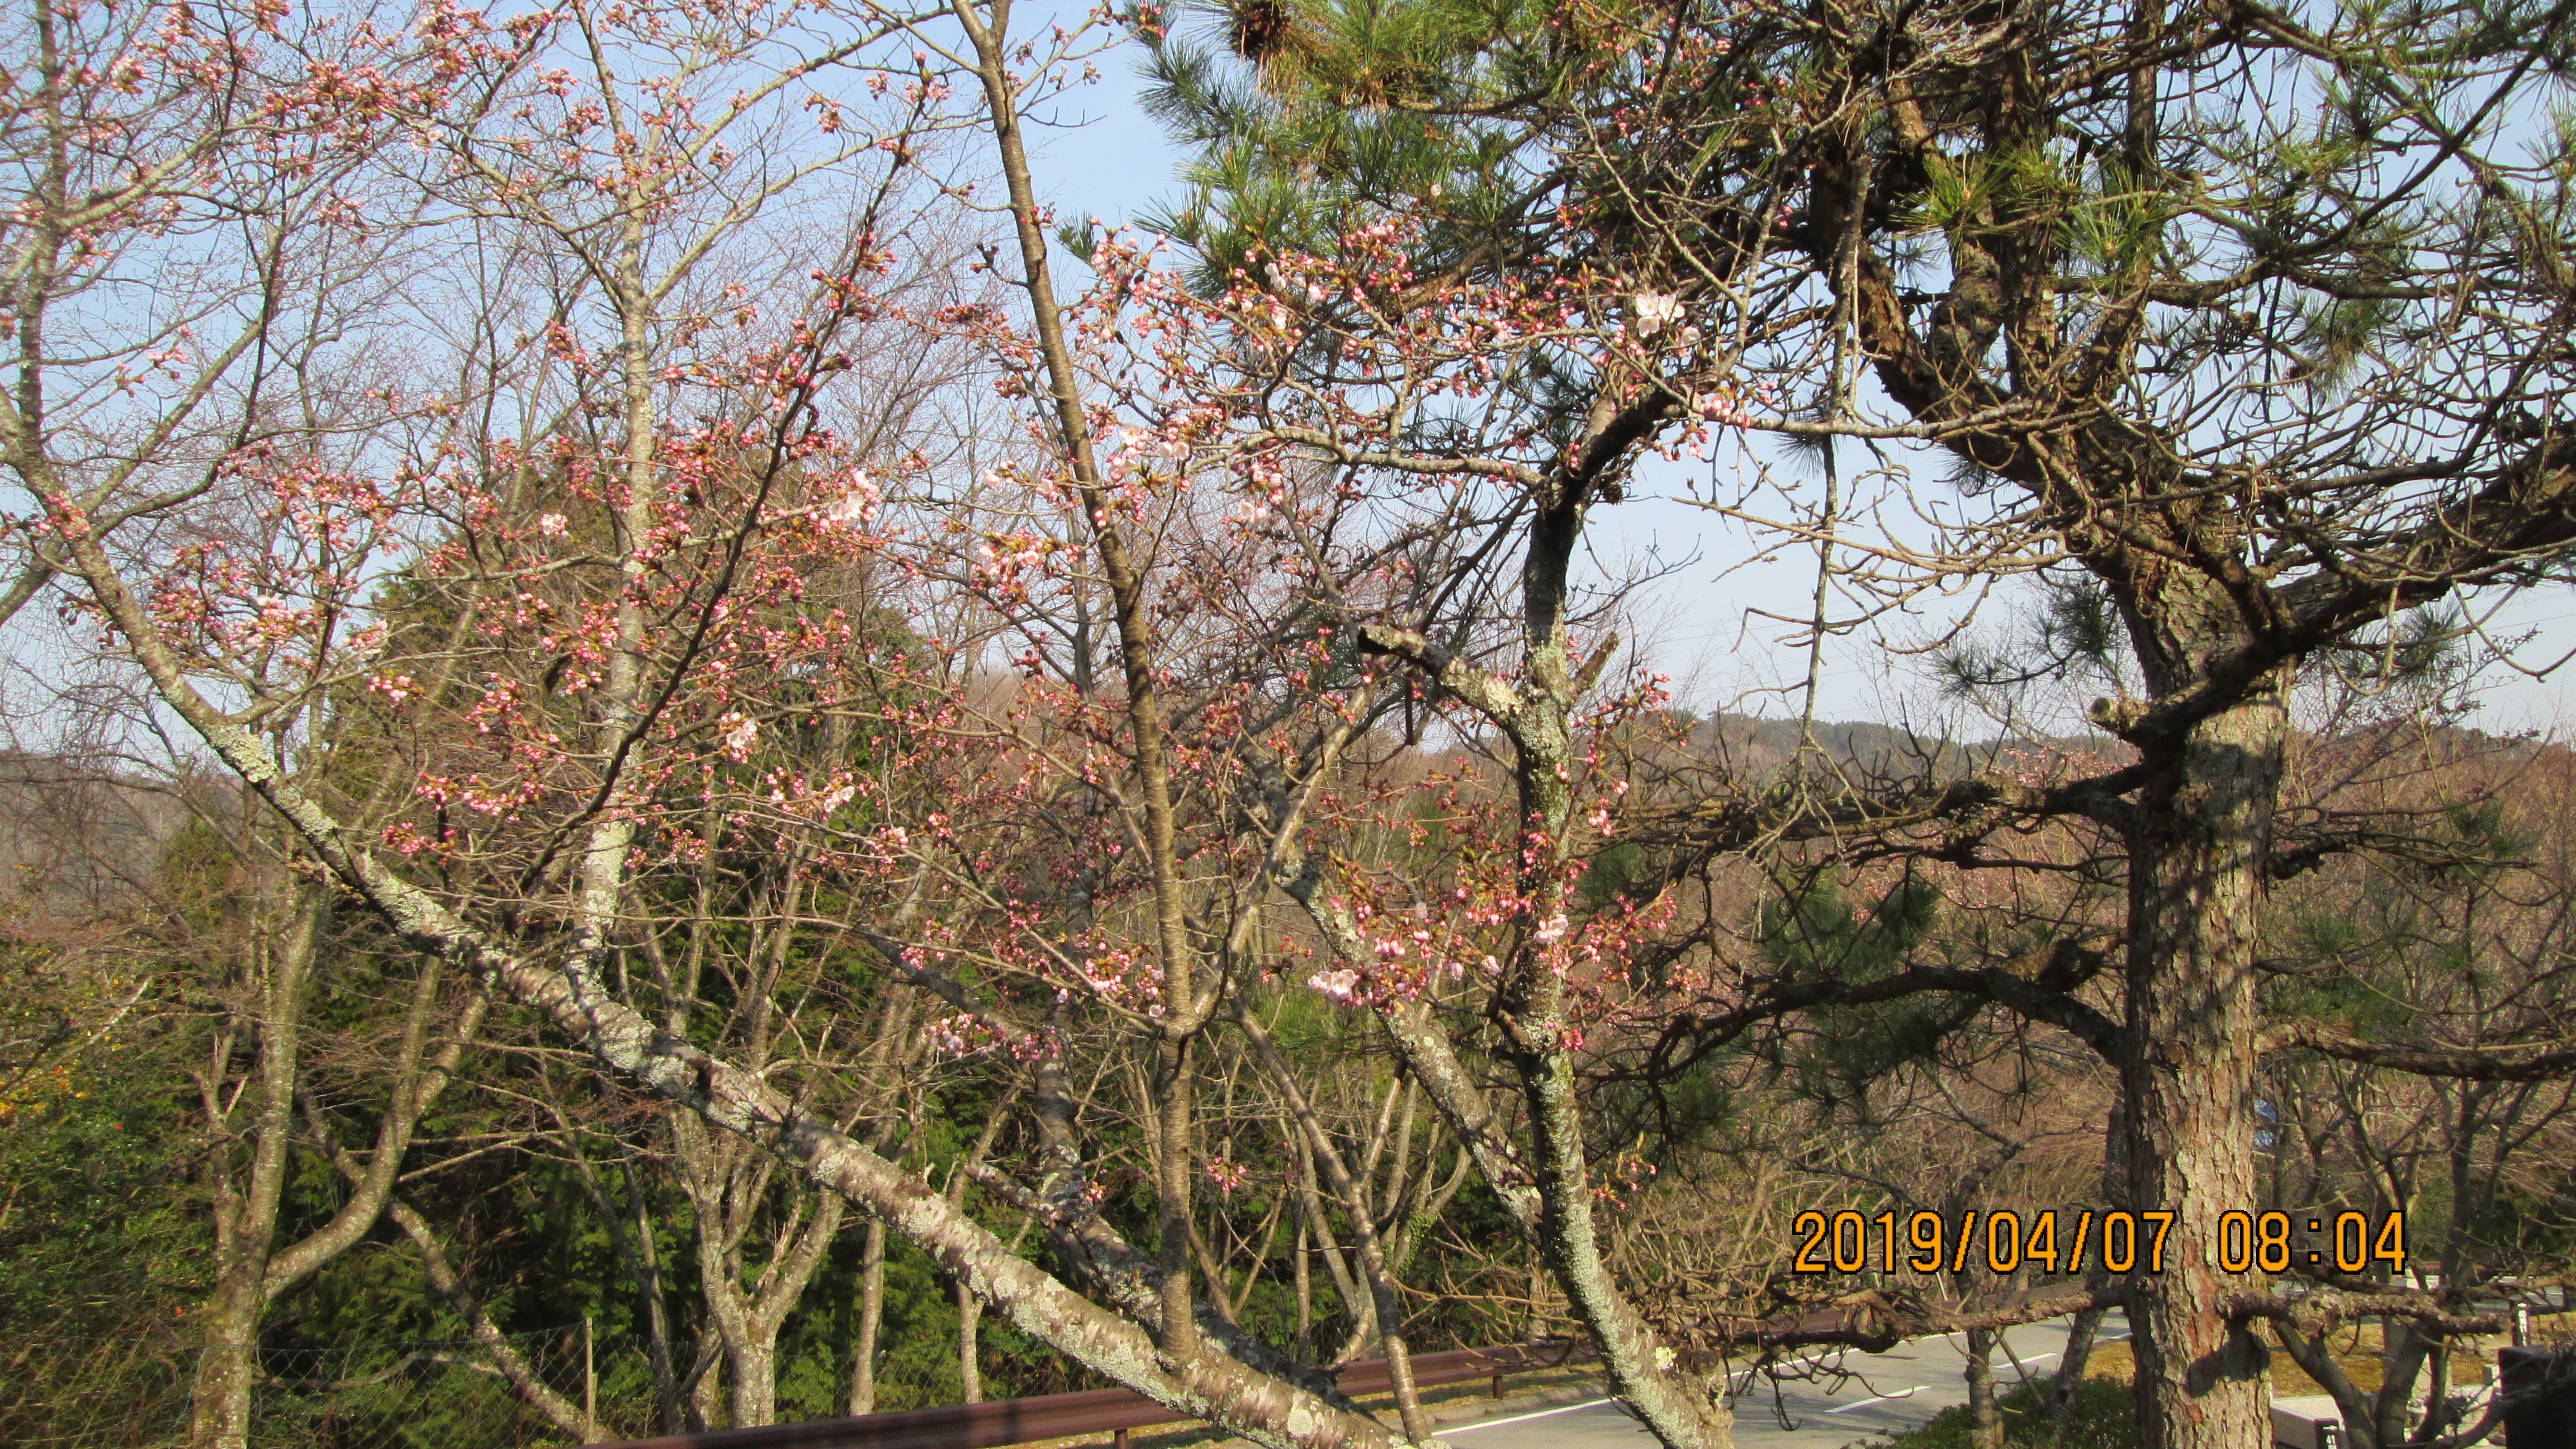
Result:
[[1757, 746], [73, 835]]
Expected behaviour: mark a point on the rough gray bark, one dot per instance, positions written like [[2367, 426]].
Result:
[[1679, 1413], [2187, 1075]]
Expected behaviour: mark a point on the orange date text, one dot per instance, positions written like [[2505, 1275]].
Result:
[[2001, 1241], [2049, 1240]]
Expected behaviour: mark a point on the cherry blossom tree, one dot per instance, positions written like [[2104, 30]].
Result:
[[553, 626]]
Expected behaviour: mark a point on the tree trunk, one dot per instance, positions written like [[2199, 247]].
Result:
[[1985, 1420], [657, 1311], [2195, 876], [1678, 1412], [1303, 1343], [863, 1359], [246, 1223], [254, 1269], [754, 1365], [2070, 1365], [747, 1321], [219, 1398], [969, 1382], [706, 1388]]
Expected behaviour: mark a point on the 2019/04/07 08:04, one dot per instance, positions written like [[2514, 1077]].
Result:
[[2120, 1241]]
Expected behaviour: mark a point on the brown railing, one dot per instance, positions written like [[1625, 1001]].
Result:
[[1098, 1411]]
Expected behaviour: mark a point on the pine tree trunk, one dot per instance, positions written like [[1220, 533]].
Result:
[[2196, 860]]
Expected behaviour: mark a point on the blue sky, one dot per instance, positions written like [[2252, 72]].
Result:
[[1103, 156]]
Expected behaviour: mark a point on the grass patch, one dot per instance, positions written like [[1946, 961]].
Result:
[[2101, 1419], [2356, 1348]]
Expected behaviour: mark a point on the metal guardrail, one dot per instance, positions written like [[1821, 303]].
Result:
[[1005, 1422]]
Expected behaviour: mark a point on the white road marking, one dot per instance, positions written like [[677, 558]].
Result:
[[1881, 1399], [1837, 1409], [1737, 1390], [1525, 1418]]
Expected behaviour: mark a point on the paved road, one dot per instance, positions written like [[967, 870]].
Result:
[[1875, 1394]]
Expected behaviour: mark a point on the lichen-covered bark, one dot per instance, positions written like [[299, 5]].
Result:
[[1673, 1406]]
